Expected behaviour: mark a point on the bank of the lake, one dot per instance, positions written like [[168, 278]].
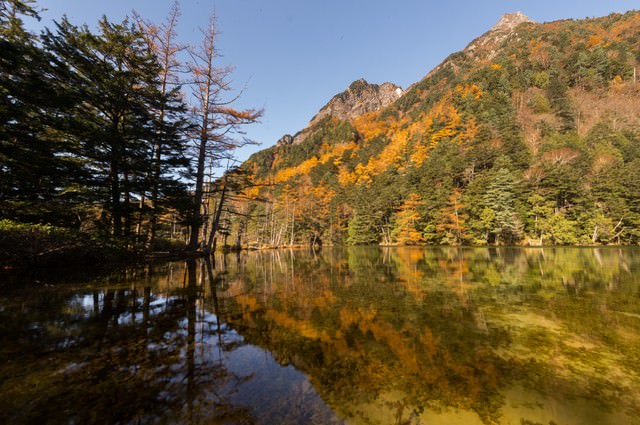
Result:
[[39, 245]]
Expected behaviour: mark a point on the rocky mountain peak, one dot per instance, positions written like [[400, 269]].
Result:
[[499, 32], [359, 98], [509, 21]]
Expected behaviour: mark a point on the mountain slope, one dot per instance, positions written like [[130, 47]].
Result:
[[530, 135]]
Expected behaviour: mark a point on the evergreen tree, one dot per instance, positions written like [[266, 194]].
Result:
[[12, 13], [112, 77], [557, 93], [499, 215], [169, 114], [39, 168], [362, 229]]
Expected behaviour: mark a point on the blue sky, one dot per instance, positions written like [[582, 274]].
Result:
[[291, 56]]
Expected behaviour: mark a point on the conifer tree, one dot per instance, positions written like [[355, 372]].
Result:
[[169, 115], [215, 121], [37, 166], [112, 78], [499, 215]]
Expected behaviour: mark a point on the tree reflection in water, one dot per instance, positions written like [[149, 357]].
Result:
[[117, 355], [414, 335], [442, 335]]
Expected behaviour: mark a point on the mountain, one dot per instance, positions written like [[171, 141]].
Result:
[[530, 135], [358, 99], [505, 27]]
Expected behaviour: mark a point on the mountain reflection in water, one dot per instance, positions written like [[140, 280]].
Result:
[[359, 335]]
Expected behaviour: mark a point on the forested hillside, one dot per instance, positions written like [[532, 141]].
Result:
[[531, 135]]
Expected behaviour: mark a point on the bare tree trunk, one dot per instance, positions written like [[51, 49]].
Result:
[[293, 225], [216, 119], [216, 221], [196, 220]]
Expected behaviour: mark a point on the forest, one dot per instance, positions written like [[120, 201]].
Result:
[[526, 138], [110, 138]]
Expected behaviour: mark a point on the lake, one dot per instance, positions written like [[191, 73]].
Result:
[[523, 336]]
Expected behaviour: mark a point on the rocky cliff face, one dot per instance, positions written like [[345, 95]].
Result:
[[360, 98], [498, 33]]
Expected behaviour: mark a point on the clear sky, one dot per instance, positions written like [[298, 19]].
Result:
[[292, 56]]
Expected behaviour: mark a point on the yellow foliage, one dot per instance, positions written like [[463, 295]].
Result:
[[346, 178], [470, 130], [332, 153], [358, 316], [249, 303], [325, 300], [369, 126], [420, 153], [407, 219], [452, 119], [593, 40], [469, 90], [302, 327], [252, 192], [394, 153]]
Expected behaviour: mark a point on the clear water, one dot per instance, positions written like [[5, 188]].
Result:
[[358, 336]]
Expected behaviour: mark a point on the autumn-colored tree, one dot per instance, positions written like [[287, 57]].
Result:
[[407, 228], [466, 135], [216, 121], [452, 222]]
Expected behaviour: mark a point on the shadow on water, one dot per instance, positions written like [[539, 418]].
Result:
[[363, 335], [121, 354]]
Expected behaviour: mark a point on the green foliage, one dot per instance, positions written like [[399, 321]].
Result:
[[540, 104], [499, 215], [82, 145], [362, 230], [557, 93], [45, 245], [540, 79], [81, 142]]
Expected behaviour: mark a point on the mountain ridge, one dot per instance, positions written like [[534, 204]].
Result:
[[374, 97], [506, 141]]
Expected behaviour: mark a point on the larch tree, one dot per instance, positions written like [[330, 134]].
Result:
[[217, 124], [452, 223], [407, 222]]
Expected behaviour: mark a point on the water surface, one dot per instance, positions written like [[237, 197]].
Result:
[[356, 336]]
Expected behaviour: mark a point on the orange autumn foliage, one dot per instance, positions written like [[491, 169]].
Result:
[[332, 153], [594, 40], [406, 231]]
